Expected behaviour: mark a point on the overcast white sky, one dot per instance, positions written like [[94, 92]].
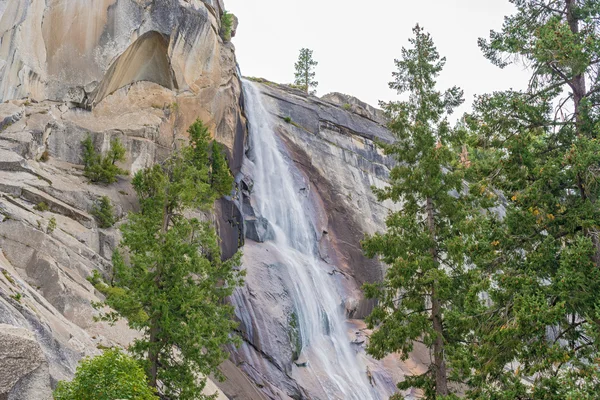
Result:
[[356, 42]]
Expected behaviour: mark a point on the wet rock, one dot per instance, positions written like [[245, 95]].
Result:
[[301, 362], [334, 148], [230, 227], [259, 229]]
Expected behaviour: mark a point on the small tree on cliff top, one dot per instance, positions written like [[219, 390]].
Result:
[[421, 297], [305, 74], [174, 285]]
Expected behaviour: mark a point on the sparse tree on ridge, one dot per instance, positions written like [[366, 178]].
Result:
[[425, 286], [305, 74]]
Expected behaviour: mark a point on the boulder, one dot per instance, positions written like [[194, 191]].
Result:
[[258, 229], [24, 373]]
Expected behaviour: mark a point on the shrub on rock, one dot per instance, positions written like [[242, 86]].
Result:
[[99, 168], [112, 375]]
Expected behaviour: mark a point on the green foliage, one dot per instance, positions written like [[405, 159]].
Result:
[[51, 225], [256, 79], [305, 75], [104, 213], [221, 179], [17, 297], [174, 285], [174, 107], [347, 107], [110, 376], [422, 296], [42, 206], [8, 277], [287, 120], [103, 169], [540, 148], [226, 26]]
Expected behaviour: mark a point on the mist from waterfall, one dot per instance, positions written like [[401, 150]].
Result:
[[326, 347]]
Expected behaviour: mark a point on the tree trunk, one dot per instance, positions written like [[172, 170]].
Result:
[[306, 79], [153, 356], [578, 86], [153, 352], [441, 378], [577, 83]]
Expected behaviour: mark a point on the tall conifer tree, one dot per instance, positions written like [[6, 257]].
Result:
[[421, 297], [173, 284], [537, 335]]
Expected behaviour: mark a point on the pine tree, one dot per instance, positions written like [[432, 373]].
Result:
[[537, 335], [220, 178], [100, 168], [305, 74], [104, 213], [174, 284], [421, 297]]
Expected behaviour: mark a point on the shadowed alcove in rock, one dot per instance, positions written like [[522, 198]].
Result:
[[146, 59]]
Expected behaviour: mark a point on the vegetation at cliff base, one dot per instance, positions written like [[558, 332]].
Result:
[[305, 74], [112, 375], [99, 168], [170, 281]]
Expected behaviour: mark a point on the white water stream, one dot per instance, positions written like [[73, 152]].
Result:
[[326, 346]]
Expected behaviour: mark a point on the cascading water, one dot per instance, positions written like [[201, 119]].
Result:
[[325, 345]]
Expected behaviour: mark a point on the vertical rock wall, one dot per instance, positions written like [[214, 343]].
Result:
[[138, 70]]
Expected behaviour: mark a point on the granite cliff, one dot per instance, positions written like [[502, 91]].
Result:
[[143, 71]]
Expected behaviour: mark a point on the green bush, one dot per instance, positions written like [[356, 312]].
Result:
[[42, 206], [104, 213], [112, 375], [51, 225], [102, 169], [226, 26]]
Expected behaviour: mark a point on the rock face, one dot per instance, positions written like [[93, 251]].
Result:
[[24, 373], [335, 165], [137, 70], [350, 103], [335, 150], [80, 52]]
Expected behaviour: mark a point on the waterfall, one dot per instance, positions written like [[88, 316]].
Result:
[[323, 331]]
